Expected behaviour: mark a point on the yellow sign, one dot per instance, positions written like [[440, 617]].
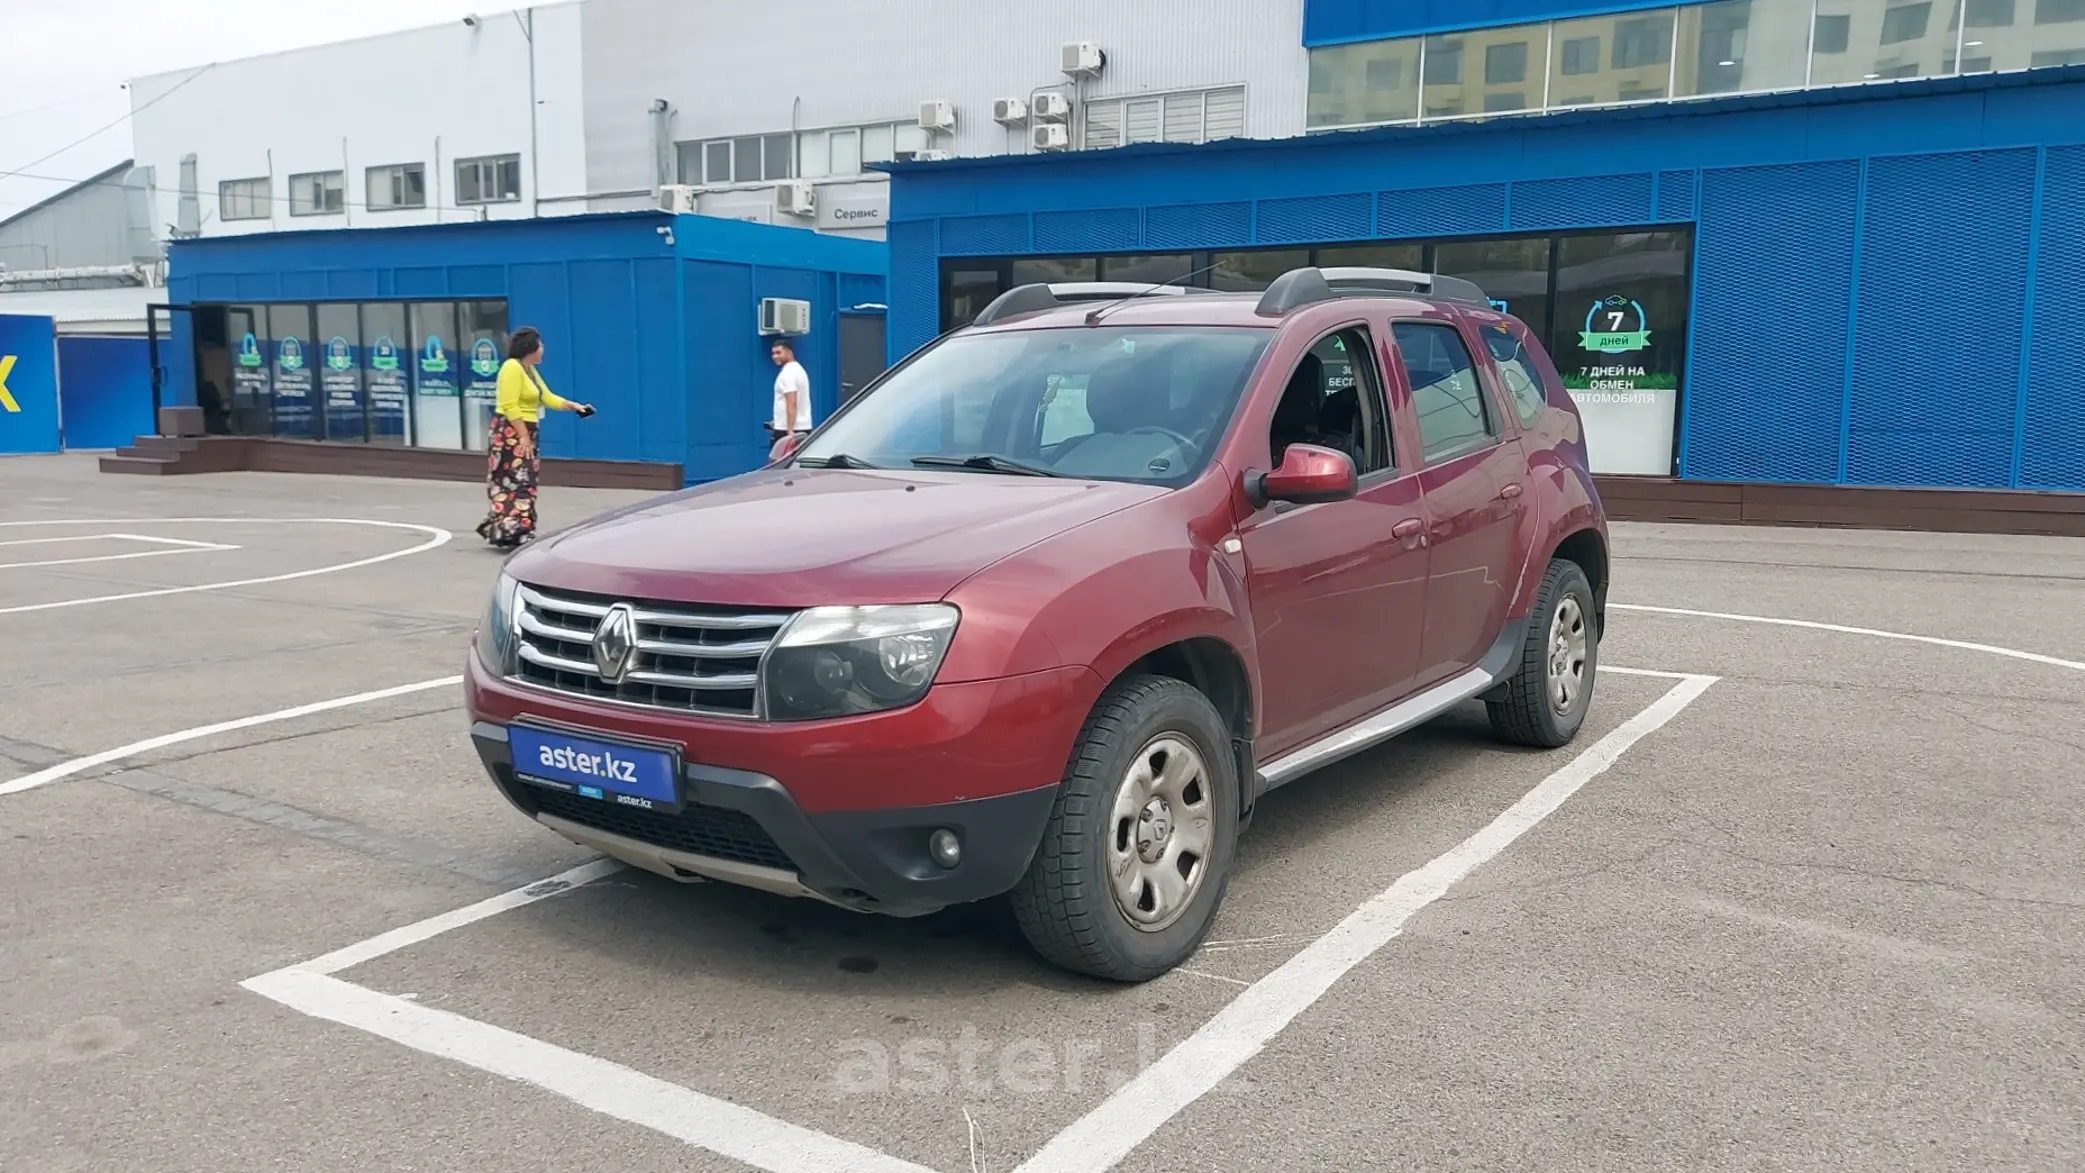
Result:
[[6, 369]]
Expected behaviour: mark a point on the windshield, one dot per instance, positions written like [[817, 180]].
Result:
[[1129, 403]]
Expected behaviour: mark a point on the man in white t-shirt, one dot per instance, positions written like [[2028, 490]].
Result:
[[792, 393]]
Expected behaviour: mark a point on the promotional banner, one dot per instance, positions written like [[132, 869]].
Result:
[[294, 414], [436, 375], [28, 384], [250, 374], [1627, 394], [341, 382], [385, 380], [483, 382]]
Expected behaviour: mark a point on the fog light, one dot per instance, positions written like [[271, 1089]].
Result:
[[946, 849]]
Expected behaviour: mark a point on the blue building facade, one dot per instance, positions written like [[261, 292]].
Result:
[[1867, 284], [394, 336]]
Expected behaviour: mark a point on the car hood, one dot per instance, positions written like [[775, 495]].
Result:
[[803, 537]]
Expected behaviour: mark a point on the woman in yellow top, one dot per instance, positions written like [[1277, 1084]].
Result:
[[514, 465]]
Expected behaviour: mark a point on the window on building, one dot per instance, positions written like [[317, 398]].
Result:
[[2058, 11], [2054, 58], [1505, 102], [1718, 41], [1191, 116], [1906, 22], [1443, 61], [1834, 33], [318, 193], [491, 179], [758, 158], [242, 199], [1643, 41], [1365, 82], [1253, 272], [1638, 59], [1506, 64], [396, 186], [1454, 418], [1990, 14]]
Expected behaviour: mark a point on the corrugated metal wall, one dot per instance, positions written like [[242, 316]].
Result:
[[661, 338], [851, 63], [1885, 293]]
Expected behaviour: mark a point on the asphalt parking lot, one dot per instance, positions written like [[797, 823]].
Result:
[[1824, 907]]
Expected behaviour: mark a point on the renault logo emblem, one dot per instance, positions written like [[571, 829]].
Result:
[[614, 641]]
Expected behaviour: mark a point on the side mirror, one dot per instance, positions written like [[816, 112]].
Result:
[[783, 447], [1309, 475]]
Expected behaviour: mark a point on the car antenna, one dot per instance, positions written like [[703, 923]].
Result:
[[1093, 317]]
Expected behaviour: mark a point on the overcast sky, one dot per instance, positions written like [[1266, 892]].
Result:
[[65, 63]]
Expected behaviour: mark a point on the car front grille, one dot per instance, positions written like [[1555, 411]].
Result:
[[698, 830], [690, 659]]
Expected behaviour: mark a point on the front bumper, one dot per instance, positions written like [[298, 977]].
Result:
[[839, 811]]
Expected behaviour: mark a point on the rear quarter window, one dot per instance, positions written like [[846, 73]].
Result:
[[1518, 369]]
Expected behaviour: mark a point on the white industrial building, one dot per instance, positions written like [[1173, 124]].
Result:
[[604, 105]]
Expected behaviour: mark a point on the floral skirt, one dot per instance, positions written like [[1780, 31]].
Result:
[[510, 484]]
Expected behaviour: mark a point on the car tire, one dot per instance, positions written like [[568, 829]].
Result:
[[1126, 808], [1545, 700]]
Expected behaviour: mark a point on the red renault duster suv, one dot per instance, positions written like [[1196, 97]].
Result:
[[1044, 611]]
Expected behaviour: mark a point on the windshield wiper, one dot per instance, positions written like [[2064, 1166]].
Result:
[[987, 463], [836, 460]]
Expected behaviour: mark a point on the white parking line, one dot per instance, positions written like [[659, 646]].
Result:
[[177, 546], [1258, 1013], [1102, 1137], [1934, 640], [437, 536], [76, 765]]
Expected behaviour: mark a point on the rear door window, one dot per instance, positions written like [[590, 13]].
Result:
[[1517, 370], [1452, 410]]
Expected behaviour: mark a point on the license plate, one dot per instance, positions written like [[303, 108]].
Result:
[[606, 771]]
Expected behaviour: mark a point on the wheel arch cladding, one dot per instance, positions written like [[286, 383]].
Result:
[[1585, 548], [1216, 669]]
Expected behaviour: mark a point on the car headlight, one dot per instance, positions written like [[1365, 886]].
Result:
[[842, 661], [498, 635]]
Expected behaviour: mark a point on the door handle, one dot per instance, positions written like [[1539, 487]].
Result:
[[1510, 491], [1409, 527]]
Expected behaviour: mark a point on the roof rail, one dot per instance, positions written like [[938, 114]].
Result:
[[1027, 299], [1301, 287]]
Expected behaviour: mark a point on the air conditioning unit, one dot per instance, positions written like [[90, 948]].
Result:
[[1009, 111], [1052, 107], [937, 114], [678, 197], [1084, 59], [796, 198], [780, 315], [932, 155], [1052, 136]]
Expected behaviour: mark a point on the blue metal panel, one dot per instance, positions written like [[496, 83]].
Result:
[[219, 287], [27, 346], [1582, 202], [732, 398], [857, 289], [245, 286], [1441, 211], [1188, 226], [420, 281], [351, 283], [1676, 195], [104, 391], [477, 281], [303, 284], [1310, 219], [605, 337], [983, 235], [2052, 441], [915, 287], [1101, 230], [664, 385], [1943, 294], [1773, 287], [539, 294]]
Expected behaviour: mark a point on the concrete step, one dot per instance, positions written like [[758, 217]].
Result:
[[166, 443]]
